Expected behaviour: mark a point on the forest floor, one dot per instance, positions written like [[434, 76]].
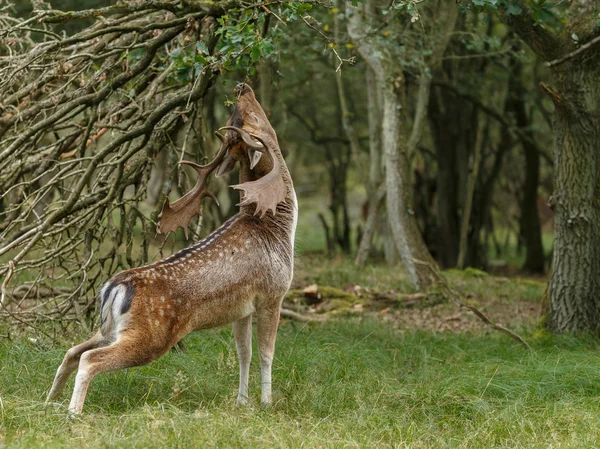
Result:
[[380, 372]]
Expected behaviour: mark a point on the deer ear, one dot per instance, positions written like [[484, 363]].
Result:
[[268, 191]]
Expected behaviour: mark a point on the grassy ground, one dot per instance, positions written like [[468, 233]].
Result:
[[377, 376], [348, 383], [420, 378]]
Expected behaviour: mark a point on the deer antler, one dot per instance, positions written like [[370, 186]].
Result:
[[181, 211], [270, 190], [246, 138]]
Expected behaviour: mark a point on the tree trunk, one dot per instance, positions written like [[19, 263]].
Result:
[[470, 191], [374, 194], [405, 232], [530, 232], [574, 289], [407, 238], [453, 122], [530, 220]]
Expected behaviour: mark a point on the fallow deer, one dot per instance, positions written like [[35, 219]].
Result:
[[244, 268]]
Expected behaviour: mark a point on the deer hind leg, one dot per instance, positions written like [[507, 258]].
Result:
[[70, 363], [242, 332], [126, 352], [267, 322]]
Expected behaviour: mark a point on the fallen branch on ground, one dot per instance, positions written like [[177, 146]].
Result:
[[287, 313], [456, 298]]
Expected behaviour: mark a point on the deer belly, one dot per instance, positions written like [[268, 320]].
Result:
[[223, 311]]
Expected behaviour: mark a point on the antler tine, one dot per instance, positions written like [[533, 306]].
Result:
[[205, 170], [260, 146], [181, 211], [220, 136]]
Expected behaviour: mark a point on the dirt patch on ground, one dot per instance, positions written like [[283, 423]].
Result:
[[450, 317]]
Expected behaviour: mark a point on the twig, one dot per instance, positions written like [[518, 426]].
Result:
[[310, 25], [268, 11], [574, 53], [287, 313], [350, 60], [456, 298]]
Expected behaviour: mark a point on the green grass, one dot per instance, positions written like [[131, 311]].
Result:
[[353, 383], [510, 253]]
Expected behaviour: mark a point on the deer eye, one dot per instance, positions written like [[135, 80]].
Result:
[[255, 117]]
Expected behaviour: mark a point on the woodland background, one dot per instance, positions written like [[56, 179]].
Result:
[[474, 135], [441, 151]]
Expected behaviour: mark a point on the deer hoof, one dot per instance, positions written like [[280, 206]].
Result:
[[242, 401]]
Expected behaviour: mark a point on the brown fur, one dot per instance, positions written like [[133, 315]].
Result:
[[245, 267]]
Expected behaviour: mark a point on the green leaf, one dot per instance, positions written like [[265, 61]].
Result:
[[255, 53], [176, 53], [267, 48], [201, 48], [513, 9]]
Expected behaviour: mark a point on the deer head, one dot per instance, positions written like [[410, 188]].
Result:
[[250, 140]]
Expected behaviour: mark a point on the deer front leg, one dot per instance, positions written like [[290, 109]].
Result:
[[267, 322], [242, 332]]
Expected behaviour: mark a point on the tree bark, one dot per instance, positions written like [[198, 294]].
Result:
[[453, 122], [470, 190], [406, 235], [531, 231], [574, 287], [374, 194], [401, 218]]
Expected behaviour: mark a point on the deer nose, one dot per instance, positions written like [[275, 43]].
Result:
[[239, 88]]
